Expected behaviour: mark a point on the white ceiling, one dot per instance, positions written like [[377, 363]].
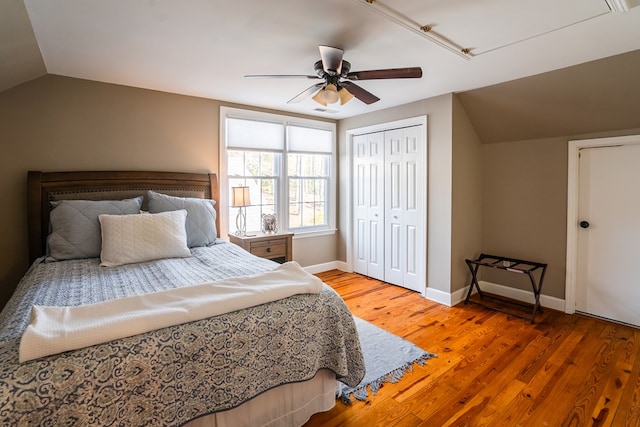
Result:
[[205, 47]]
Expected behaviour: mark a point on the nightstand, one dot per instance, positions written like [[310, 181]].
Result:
[[276, 246]]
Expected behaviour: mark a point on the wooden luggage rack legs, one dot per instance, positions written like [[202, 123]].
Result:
[[513, 265]]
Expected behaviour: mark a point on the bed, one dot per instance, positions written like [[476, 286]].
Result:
[[274, 363]]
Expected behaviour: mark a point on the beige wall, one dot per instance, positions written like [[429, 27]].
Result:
[[439, 161], [525, 206], [466, 210], [59, 123]]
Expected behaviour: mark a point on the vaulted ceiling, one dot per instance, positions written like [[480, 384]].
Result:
[[205, 48]]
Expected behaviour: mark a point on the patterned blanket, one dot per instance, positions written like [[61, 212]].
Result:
[[172, 375]]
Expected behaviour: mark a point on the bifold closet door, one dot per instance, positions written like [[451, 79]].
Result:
[[404, 191], [368, 167]]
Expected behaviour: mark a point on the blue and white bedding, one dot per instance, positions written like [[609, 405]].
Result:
[[172, 375]]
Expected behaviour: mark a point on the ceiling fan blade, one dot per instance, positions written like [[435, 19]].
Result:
[[280, 76], [390, 73], [305, 93], [331, 59], [360, 93]]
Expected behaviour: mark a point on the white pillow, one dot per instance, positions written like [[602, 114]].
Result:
[[128, 239]]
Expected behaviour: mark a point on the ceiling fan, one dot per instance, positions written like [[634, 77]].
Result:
[[338, 79]]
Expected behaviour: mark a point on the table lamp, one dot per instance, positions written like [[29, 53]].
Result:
[[240, 199]]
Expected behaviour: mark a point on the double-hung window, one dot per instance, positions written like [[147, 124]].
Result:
[[288, 165]]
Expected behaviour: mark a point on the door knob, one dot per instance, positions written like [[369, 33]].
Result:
[[584, 224]]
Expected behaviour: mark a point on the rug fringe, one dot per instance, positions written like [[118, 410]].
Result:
[[362, 393]]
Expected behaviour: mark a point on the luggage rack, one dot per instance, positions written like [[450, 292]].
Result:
[[513, 265]]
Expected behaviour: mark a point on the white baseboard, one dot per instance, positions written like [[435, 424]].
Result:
[[459, 295], [342, 266], [451, 299], [327, 266], [438, 296], [520, 295], [493, 288]]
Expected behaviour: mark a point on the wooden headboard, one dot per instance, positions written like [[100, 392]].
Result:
[[45, 187]]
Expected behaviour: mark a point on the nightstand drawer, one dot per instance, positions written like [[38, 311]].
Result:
[[269, 249], [274, 246]]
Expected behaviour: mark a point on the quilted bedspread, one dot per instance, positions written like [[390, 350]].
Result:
[[168, 376]]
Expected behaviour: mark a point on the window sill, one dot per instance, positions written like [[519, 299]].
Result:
[[315, 233]]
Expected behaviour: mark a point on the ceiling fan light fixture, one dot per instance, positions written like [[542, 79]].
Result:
[[330, 94], [318, 98], [345, 96]]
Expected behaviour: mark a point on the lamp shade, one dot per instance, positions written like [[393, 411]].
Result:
[[330, 94], [240, 197], [345, 96], [318, 98]]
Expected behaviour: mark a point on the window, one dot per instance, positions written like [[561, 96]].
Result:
[[288, 165]]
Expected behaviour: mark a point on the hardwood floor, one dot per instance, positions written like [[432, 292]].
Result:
[[493, 369]]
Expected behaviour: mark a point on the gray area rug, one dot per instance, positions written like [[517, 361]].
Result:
[[387, 357]]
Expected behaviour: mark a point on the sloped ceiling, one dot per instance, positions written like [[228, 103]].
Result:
[[597, 96], [206, 47], [20, 58]]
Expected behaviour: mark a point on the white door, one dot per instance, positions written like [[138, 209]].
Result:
[[368, 204], [607, 276], [404, 190]]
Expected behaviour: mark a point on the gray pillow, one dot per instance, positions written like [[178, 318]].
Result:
[[201, 216], [75, 228]]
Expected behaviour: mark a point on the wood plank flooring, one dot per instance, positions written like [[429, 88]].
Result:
[[493, 369]]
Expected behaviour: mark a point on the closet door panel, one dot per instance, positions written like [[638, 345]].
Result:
[[360, 253], [375, 208], [375, 242], [393, 257], [395, 186], [404, 192], [412, 184], [414, 235], [412, 246], [369, 205], [360, 220]]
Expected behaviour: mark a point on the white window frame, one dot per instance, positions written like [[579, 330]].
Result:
[[282, 203]]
